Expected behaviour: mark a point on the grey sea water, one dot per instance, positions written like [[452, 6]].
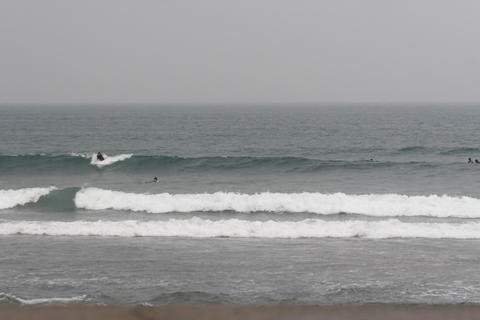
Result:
[[254, 205]]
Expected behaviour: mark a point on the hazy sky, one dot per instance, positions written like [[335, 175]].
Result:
[[244, 51]]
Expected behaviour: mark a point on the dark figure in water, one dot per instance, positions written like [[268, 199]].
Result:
[[155, 180], [476, 161], [100, 157], [470, 160]]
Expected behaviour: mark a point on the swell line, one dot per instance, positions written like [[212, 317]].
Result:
[[84, 163]]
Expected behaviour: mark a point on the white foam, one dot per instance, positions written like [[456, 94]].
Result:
[[108, 159], [371, 204], [11, 198], [203, 228], [54, 300]]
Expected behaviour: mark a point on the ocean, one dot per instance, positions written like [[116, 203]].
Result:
[[267, 204]]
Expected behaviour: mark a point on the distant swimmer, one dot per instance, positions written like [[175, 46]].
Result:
[[476, 161], [100, 156], [155, 180], [470, 160]]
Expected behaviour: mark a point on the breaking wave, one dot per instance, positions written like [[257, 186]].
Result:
[[389, 205], [11, 198], [59, 200], [204, 228], [379, 205]]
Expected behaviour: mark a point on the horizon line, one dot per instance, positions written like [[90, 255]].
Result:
[[226, 104]]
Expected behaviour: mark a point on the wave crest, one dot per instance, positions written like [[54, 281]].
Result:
[[319, 203], [86, 162], [11, 198]]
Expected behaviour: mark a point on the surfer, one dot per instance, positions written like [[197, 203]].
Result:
[[470, 160], [100, 156], [476, 161], [155, 180]]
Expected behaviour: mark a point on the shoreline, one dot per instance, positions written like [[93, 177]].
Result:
[[213, 312]]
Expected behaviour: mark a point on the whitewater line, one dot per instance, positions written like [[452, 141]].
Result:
[[389, 205], [203, 228], [57, 300]]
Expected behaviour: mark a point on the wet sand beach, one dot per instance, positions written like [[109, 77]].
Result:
[[337, 312]]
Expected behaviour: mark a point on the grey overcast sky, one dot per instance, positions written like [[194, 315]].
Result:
[[244, 51]]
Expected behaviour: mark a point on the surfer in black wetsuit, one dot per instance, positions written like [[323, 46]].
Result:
[[470, 160], [476, 161], [100, 157]]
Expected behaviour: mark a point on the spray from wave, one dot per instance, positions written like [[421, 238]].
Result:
[[108, 159], [319, 203], [204, 228]]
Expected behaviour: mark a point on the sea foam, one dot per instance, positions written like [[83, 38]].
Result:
[[205, 228], [11, 198], [11, 298], [388, 205]]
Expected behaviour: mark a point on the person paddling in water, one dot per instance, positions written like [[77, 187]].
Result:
[[100, 156], [155, 180]]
